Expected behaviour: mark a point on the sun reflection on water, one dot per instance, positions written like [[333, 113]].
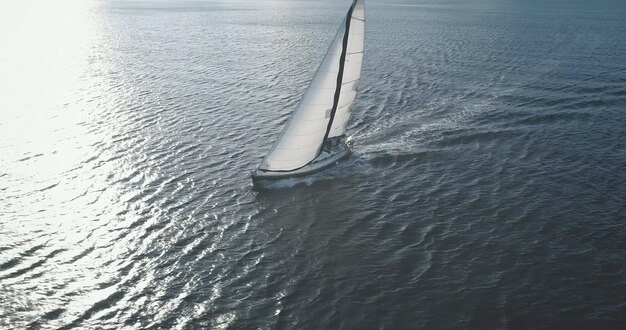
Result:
[[42, 69], [53, 188]]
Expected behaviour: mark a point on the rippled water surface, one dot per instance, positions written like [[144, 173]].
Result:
[[487, 188]]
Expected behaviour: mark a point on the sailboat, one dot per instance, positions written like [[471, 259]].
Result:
[[314, 137]]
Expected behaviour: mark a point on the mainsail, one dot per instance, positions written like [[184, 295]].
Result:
[[352, 70], [324, 110]]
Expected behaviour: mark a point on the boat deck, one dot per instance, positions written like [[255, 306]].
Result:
[[326, 158]]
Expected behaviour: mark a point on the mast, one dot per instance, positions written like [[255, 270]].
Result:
[[352, 70], [342, 65]]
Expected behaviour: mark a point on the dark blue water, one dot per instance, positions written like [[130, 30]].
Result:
[[487, 188]]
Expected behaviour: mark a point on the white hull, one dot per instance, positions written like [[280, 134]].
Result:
[[326, 158]]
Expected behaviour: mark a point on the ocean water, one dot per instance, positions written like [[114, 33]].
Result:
[[487, 188]]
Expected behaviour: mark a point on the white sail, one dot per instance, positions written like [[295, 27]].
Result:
[[301, 139], [352, 70]]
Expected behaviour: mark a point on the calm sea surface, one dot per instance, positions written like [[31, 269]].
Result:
[[487, 188]]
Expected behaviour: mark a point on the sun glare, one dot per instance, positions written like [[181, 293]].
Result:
[[43, 46], [45, 50]]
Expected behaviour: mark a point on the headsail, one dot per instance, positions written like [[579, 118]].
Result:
[[312, 121]]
